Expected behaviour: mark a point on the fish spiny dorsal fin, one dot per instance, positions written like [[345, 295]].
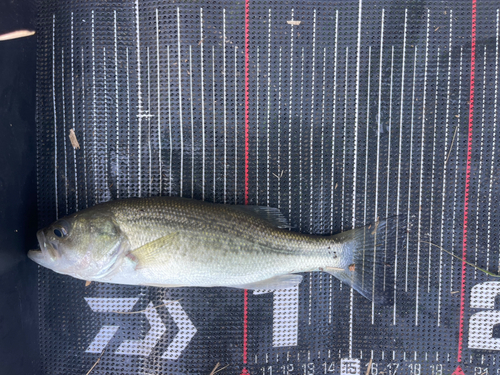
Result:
[[271, 215], [147, 254]]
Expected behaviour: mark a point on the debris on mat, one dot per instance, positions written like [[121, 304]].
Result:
[[16, 34], [73, 140], [217, 369]]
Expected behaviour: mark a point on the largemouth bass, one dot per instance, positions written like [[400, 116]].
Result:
[[174, 242]]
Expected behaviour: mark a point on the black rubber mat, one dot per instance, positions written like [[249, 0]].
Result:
[[354, 110]]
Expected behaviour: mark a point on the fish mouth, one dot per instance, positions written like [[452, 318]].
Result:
[[41, 241], [37, 256], [45, 253]]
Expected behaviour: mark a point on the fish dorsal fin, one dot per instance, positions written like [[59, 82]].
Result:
[[271, 215], [149, 253]]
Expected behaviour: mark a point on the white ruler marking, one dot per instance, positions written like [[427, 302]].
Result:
[[192, 117], [455, 192], [104, 195], [445, 153], [170, 146], [345, 136], [279, 129], [355, 166], [290, 114], [224, 104], [378, 130], [401, 113], [344, 147], [330, 297], [117, 114], [421, 171], [322, 178], [495, 125], [73, 112], [300, 134], [235, 125], [55, 111], [139, 100], [128, 126], [356, 119], [213, 117], [351, 321], [66, 182], [411, 167], [268, 101], [310, 296], [379, 124], [160, 153], [367, 131], [311, 136], [388, 157], [94, 137], [433, 170], [481, 168], [334, 123], [257, 126], [149, 114], [366, 149], [202, 58], [84, 138], [181, 127]]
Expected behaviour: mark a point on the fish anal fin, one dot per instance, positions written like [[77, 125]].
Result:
[[278, 282]]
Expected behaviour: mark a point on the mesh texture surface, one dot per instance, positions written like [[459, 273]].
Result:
[[356, 112]]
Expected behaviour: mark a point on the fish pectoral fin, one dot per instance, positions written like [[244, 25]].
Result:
[[148, 254], [277, 282]]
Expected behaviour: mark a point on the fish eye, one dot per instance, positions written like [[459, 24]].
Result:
[[60, 232]]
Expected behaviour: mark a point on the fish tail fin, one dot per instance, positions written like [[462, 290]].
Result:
[[369, 258]]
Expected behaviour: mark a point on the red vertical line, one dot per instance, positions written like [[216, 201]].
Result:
[[247, 22], [245, 294], [467, 179], [245, 326]]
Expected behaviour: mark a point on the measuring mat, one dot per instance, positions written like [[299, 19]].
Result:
[[337, 113]]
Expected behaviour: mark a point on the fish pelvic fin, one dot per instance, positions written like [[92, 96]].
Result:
[[369, 258]]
